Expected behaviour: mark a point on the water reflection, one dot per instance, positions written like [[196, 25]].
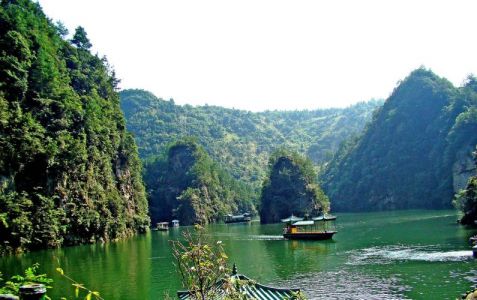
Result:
[[385, 255]]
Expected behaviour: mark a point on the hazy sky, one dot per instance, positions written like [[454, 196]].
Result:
[[275, 54]]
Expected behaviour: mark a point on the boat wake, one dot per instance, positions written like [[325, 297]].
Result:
[[344, 284], [389, 254], [264, 237]]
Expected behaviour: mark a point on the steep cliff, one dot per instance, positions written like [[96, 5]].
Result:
[[69, 171], [415, 153], [187, 185], [290, 188]]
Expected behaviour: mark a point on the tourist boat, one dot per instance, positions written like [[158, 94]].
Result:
[[299, 229], [162, 226], [175, 223], [242, 218]]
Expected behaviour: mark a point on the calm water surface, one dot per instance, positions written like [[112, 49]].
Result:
[[391, 255]]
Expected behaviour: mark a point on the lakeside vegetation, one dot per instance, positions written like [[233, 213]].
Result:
[[69, 170]]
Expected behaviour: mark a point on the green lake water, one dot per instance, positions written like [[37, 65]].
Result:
[[385, 255]]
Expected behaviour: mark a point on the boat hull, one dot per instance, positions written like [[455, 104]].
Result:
[[309, 235]]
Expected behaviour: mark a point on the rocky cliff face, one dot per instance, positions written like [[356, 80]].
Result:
[[290, 189], [462, 169], [189, 186], [416, 153], [69, 171]]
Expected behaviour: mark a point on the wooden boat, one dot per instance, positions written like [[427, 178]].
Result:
[[308, 229], [243, 218], [162, 226]]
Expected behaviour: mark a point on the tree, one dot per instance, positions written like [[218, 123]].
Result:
[[61, 29], [80, 39]]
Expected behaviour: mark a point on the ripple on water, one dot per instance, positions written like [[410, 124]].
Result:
[[264, 237], [389, 254], [345, 284]]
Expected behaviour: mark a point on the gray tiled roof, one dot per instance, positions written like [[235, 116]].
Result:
[[252, 289]]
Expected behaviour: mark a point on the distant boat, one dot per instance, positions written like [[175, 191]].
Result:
[[175, 223], [242, 218], [292, 218], [162, 226], [297, 229]]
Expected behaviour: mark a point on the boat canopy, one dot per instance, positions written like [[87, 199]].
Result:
[[324, 218], [303, 223], [292, 218]]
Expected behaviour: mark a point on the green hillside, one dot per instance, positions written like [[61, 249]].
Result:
[[241, 141], [416, 152], [69, 171], [187, 185]]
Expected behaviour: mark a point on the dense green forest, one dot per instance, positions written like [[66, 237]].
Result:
[[290, 188], [416, 152], [69, 171], [186, 184], [241, 141]]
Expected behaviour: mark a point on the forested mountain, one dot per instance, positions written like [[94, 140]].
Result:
[[187, 185], [69, 171], [290, 188], [416, 152], [241, 141]]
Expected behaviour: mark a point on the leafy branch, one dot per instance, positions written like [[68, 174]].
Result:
[[79, 287]]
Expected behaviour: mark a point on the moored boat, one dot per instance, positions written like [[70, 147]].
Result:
[[242, 218], [162, 226]]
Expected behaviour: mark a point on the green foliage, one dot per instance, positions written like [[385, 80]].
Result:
[[290, 188], [80, 39], [406, 155], [30, 276], [201, 264], [69, 172], [186, 184], [240, 141]]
